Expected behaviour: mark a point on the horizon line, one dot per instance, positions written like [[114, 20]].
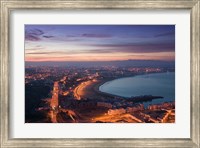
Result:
[[105, 61]]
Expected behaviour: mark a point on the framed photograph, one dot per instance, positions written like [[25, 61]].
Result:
[[100, 73]]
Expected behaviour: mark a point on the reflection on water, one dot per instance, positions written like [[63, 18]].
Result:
[[157, 84]]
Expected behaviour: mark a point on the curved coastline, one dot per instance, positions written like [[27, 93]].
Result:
[[102, 82], [135, 99], [109, 81], [91, 89], [97, 90]]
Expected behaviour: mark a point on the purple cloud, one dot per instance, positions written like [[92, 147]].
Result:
[[29, 37], [33, 34], [165, 34], [136, 48], [71, 36], [42, 53], [47, 36], [89, 35]]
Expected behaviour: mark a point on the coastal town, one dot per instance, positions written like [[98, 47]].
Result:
[[71, 95]]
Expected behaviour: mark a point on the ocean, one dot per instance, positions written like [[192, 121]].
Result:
[[156, 84]]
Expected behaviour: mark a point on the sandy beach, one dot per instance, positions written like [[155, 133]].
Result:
[[90, 90]]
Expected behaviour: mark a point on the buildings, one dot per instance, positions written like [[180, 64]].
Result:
[[166, 105], [104, 104]]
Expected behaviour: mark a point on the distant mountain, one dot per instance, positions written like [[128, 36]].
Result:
[[127, 63]]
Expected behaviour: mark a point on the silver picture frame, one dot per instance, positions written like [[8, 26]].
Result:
[[7, 6]]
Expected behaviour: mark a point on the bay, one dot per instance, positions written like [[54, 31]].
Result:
[[156, 84]]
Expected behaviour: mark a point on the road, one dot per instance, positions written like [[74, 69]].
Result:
[[54, 102], [79, 90]]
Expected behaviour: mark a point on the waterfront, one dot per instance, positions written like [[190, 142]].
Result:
[[66, 64], [74, 96], [158, 84]]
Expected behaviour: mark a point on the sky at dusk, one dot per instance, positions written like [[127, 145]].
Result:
[[99, 42]]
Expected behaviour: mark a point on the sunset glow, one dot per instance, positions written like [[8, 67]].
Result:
[[99, 42]]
